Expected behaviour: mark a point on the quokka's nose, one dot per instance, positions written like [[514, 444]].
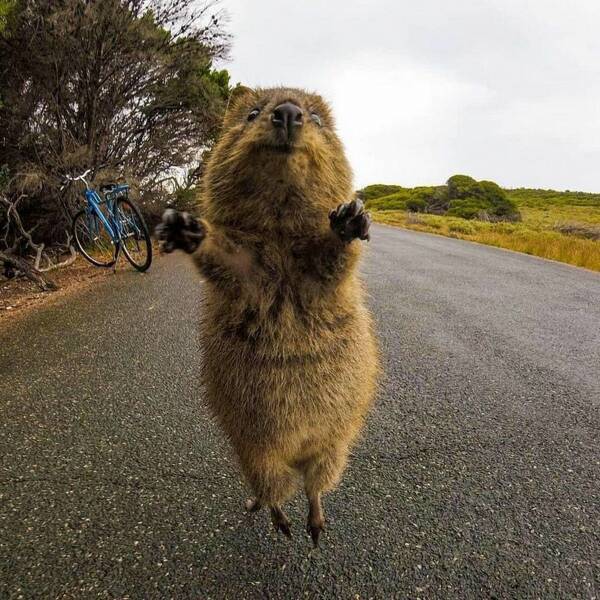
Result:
[[287, 116]]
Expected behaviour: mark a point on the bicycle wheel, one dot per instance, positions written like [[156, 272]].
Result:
[[135, 237], [93, 240]]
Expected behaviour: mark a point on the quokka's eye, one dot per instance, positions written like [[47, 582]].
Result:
[[316, 118], [253, 114]]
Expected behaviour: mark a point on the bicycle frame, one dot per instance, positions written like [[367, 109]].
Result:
[[114, 226], [93, 206], [120, 220]]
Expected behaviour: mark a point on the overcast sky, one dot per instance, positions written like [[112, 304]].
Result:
[[506, 90]]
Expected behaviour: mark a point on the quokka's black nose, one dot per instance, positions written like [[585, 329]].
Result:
[[287, 116]]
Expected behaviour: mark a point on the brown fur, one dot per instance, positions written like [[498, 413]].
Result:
[[290, 360]]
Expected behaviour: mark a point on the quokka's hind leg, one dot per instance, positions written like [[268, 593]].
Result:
[[273, 482], [279, 518], [322, 473], [316, 521], [280, 521]]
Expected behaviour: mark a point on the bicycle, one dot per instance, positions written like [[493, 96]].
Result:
[[110, 224]]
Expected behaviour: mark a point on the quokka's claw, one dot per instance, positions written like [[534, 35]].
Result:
[[350, 221], [170, 217], [280, 521], [364, 227], [284, 528], [355, 207], [253, 505], [179, 230], [315, 532]]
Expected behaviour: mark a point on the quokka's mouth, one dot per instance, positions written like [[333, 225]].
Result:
[[279, 148]]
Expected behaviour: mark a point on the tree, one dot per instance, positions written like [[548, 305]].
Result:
[[6, 8], [126, 87], [472, 199], [465, 197], [460, 186]]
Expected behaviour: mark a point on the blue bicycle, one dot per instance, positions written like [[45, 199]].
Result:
[[108, 224]]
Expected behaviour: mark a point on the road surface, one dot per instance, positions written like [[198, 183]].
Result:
[[478, 474]]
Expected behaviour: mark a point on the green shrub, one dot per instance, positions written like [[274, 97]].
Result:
[[412, 199], [395, 201], [437, 200], [469, 199], [467, 208], [462, 197], [465, 227], [545, 198], [416, 205], [501, 205], [378, 190], [460, 186], [433, 221]]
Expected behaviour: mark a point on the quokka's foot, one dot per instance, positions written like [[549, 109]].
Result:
[[253, 505], [179, 230], [280, 521], [350, 221], [314, 528]]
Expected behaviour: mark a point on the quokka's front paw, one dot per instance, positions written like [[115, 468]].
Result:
[[350, 221], [179, 230]]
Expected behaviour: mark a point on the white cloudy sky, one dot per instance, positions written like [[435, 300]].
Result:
[[506, 90]]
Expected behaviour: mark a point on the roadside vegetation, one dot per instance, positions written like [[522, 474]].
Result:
[[562, 226], [128, 88]]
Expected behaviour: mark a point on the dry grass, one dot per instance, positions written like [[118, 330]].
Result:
[[535, 235]]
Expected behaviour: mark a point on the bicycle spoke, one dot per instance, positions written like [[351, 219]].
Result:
[[134, 235], [93, 239]]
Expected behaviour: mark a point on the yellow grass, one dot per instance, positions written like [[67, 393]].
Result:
[[534, 235], [548, 217]]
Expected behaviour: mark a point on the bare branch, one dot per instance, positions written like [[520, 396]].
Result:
[[28, 271]]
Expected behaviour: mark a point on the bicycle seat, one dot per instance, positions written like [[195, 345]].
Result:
[[108, 187]]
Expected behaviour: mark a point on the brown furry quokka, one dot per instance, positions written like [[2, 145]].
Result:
[[290, 359]]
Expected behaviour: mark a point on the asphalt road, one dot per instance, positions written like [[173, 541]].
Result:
[[478, 475]]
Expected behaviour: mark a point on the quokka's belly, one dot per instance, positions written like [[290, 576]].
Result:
[[268, 394]]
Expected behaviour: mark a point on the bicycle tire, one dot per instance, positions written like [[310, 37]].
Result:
[[142, 235], [82, 215]]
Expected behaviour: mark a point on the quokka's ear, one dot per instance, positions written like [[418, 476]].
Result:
[[239, 94]]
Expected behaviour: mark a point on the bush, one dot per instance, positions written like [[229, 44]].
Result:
[[462, 197], [467, 208], [469, 199], [464, 227], [158, 102], [437, 200], [378, 190], [416, 205], [433, 221], [548, 198], [493, 194], [396, 201], [460, 186]]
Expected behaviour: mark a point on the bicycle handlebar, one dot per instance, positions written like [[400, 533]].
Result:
[[74, 178], [70, 178]]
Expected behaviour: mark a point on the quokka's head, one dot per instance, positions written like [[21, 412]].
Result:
[[278, 163]]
